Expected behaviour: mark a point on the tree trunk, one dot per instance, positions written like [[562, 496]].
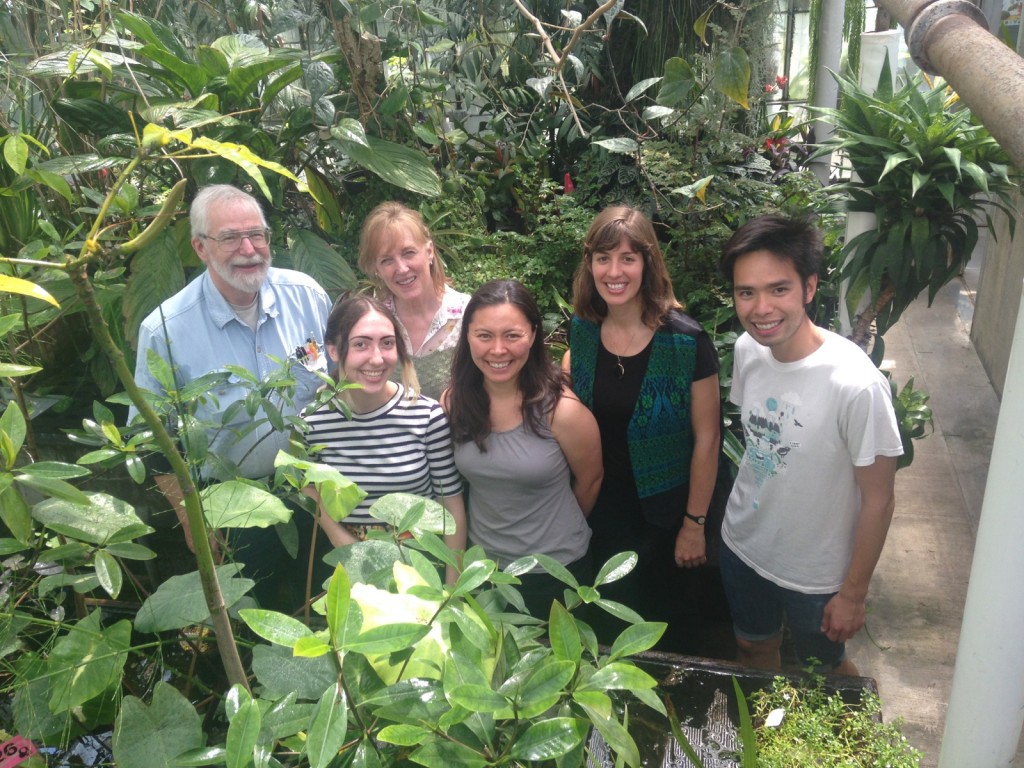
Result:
[[861, 333]]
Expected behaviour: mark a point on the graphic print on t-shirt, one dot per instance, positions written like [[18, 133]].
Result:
[[764, 429]]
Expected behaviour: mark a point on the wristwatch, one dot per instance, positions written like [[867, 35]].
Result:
[[698, 519]]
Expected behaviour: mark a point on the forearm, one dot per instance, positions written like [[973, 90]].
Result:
[[456, 541], [586, 491], [869, 539], [456, 507], [703, 473]]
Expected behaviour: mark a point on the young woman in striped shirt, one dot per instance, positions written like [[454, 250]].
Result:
[[393, 440]]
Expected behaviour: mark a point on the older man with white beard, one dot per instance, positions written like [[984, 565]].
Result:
[[242, 312]]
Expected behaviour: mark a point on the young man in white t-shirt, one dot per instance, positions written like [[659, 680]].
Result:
[[813, 498]]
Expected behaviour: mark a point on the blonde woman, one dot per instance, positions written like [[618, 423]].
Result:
[[397, 252]]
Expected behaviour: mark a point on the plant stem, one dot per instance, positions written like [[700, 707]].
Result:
[[204, 556], [861, 332]]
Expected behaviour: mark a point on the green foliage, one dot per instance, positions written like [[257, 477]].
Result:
[[544, 258], [822, 729], [927, 170]]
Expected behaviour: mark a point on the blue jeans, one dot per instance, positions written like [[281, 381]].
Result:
[[758, 607]]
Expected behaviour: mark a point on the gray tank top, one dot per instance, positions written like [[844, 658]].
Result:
[[520, 498]]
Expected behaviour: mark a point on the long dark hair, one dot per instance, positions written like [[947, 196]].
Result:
[[540, 380], [343, 318]]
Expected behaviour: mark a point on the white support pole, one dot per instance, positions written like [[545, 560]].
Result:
[[826, 90], [986, 706]]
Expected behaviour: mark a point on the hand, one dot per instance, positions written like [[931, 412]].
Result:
[[691, 550], [843, 618]]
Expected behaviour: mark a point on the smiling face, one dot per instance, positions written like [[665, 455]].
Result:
[[371, 355], [236, 273], [403, 264], [618, 273], [500, 338], [770, 299]]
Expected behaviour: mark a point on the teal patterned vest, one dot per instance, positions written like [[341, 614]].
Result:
[[660, 432]]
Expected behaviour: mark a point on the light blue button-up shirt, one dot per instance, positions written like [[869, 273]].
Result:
[[197, 332]]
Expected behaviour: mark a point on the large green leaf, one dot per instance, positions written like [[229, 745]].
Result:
[[548, 739], [339, 598], [388, 638], [93, 116], [732, 75], [397, 164], [154, 32], [235, 504], [243, 80], [243, 732], [157, 274], [392, 508], [280, 673], [442, 753], [16, 153], [152, 736], [15, 513], [679, 80], [179, 601], [275, 627], [636, 639], [618, 676], [619, 145], [87, 661], [190, 76], [564, 634], [14, 426], [327, 727], [109, 573], [479, 698], [102, 520], [313, 255]]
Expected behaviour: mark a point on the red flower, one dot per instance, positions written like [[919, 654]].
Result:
[[769, 88], [781, 80], [568, 186]]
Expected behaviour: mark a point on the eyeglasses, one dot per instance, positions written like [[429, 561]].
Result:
[[232, 241]]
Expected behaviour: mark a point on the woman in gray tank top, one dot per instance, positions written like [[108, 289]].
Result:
[[529, 450]]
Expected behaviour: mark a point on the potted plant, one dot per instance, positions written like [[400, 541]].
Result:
[[927, 170]]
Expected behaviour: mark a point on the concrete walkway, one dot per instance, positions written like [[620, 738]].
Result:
[[917, 595]]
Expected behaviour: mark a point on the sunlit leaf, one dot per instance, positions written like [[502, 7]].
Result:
[[108, 571], [25, 288], [620, 145], [234, 504]]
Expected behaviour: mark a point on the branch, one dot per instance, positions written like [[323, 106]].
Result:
[[559, 59]]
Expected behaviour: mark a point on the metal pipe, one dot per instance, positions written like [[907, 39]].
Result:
[[986, 705], [987, 75]]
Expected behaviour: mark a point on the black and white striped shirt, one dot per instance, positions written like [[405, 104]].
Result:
[[404, 446]]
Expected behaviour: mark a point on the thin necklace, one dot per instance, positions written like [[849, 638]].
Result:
[[618, 358]]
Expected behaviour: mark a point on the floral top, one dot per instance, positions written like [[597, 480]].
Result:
[[433, 359]]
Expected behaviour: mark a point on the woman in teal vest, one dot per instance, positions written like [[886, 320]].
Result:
[[649, 373]]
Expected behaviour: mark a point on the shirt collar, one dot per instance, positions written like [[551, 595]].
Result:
[[221, 311]]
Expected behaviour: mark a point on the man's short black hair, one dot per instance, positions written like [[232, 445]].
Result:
[[795, 239]]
